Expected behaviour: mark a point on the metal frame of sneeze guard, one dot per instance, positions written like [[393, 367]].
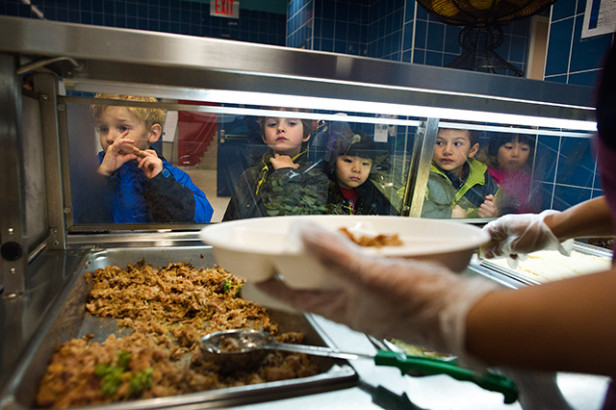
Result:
[[93, 58]]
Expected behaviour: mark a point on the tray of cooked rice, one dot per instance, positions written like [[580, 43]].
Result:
[[125, 333]]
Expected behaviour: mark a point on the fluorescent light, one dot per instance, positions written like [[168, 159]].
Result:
[[331, 104], [246, 98]]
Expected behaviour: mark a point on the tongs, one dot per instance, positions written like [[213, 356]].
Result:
[[245, 347]]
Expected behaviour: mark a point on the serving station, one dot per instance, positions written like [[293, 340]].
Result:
[[49, 74]]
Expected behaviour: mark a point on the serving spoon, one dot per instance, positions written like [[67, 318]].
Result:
[[243, 348]]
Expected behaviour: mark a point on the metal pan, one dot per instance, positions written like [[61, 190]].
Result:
[[529, 280], [68, 319]]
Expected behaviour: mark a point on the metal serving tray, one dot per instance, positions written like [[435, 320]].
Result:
[[527, 280], [68, 319]]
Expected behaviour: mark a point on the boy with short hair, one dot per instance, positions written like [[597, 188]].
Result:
[[285, 182], [459, 186], [145, 187]]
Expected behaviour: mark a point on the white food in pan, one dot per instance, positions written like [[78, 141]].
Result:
[[546, 266]]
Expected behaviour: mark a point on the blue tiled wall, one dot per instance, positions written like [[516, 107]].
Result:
[[566, 170], [571, 59], [171, 16], [386, 29], [571, 175], [299, 24], [340, 26]]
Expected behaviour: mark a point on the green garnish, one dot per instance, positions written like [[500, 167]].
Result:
[[123, 358], [229, 287], [113, 375], [141, 381]]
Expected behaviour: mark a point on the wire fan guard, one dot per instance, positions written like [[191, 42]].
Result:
[[479, 13], [482, 33]]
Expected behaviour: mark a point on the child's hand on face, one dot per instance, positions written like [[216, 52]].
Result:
[[149, 163], [121, 151], [488, 208], [283, 161], [458, 212]]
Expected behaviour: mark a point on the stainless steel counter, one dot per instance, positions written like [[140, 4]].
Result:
[[20, 316], [378, 387], [383, 387]]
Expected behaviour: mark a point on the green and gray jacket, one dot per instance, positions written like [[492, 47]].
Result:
[[445, 190], [265, 191]]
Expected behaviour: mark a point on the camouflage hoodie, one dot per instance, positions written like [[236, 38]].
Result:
[[265, 191]]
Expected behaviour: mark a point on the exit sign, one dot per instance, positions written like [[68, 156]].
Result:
[[225, 8]]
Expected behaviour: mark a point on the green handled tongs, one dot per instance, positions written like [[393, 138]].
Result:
[[245, 345], [430, 366]]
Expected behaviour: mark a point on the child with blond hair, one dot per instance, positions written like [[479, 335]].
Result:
[[145, 187]]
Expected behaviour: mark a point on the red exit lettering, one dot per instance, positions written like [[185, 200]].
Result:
[[224, 7]]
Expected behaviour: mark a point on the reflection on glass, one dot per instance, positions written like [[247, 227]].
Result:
[[313, 166], [145, 164], [294, 162]]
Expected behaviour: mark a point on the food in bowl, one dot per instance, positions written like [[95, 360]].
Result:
[[259, 249], [378, 240]]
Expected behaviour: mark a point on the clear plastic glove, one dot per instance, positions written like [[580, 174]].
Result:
[[538, 390], [521, 234], [415, 301]]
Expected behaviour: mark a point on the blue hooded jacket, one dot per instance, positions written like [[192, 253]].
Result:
[[170, 196]]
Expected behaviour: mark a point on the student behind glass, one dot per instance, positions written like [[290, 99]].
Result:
[[284, 182], [509, 162], [144, 187], [459, 186], [351, 192]]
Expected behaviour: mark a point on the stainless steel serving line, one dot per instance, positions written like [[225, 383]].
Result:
[[53, 310], [44, 253]]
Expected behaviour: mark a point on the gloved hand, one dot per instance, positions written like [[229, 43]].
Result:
[[415, 301], [520, 234]]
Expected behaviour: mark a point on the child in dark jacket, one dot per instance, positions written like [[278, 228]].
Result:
[[285, 182], [144, 187], [349, 165]]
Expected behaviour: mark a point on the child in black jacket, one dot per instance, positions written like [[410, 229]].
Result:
[[349, 165]]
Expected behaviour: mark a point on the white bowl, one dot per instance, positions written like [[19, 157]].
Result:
[[257, 249]]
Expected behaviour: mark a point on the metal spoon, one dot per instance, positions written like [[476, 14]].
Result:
[[241, 348]]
